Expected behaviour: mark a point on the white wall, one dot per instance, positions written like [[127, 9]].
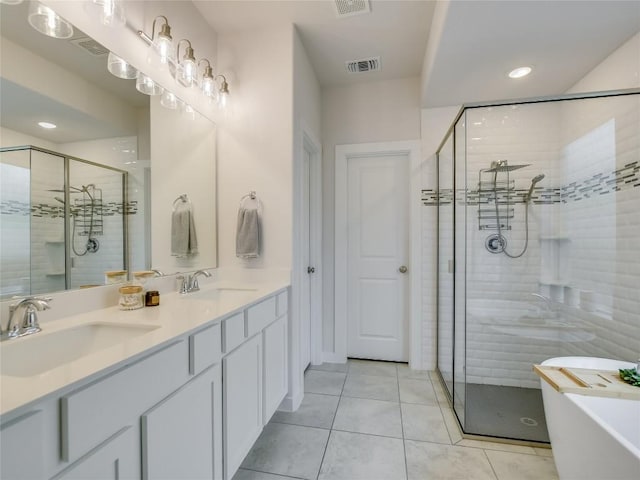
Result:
[[183, 155], [11, 138], [255, 142], [369, 112], [619, 70]]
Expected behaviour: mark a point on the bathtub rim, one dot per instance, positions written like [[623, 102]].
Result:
[[577, 399]]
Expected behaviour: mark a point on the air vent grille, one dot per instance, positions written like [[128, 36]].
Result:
[[365, 65], [347, 8], [90, 45]]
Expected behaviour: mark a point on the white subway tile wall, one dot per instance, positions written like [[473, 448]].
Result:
[[583, 231]]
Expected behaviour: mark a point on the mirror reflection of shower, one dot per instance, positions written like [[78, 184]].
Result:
[[497, 243], [79, 212]]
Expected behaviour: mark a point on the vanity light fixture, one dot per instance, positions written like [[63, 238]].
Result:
[[146, 85], [48, 22], [110, 12], [223, 93], [121, 69], [519, 72], [47, 125], [208, 83], [186, 68], [162, 44]]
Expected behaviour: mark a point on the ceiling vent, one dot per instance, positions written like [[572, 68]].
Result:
[[348, 8], [365, 65], [90, 45]]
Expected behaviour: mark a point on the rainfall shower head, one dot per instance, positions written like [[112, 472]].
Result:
[[534, 180], [503, 166]]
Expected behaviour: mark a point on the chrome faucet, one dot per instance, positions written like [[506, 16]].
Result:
[[29, 324], [190, 284], [157, 273]]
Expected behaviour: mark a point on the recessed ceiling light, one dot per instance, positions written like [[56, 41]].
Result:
[[519, 72], [47, 125]]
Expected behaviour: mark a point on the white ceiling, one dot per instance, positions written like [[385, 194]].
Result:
[[395, 30], [480, 41]]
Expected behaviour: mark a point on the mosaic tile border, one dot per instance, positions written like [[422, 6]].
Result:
[[43, 210], [600, 184]]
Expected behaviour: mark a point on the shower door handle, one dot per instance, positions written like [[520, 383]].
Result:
[[403, 269]]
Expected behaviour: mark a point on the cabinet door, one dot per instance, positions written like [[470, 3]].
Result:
[[242, 402], [21, 455], [181, 436], [116, 459], [275, 366]]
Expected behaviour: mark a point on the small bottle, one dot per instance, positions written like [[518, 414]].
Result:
[[152, 298], [130, 297]]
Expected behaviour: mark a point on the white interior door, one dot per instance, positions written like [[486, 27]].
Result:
[[377, 255]]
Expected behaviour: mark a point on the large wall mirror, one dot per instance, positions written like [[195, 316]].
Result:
[[98, 192]]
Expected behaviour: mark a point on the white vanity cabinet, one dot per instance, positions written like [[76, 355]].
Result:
[[115, 460], [190, 408], [242, 402], [21, 447], [181, 436]]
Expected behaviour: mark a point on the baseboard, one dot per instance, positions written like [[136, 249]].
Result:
[[291, 403], [332, 357]]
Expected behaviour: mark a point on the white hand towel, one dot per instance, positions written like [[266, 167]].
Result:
[[183, 231], [248, 233]]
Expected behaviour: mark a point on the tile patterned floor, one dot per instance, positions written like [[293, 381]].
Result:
[[370, 420]]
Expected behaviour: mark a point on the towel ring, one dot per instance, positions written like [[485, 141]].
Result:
[[253, 197], [184, 198]]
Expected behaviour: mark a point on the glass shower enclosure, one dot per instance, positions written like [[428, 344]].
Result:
[[63, 221], [537, 250]]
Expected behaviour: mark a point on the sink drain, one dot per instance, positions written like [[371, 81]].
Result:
[[529, 422]]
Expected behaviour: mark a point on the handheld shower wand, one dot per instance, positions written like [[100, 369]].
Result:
[[534, 180]]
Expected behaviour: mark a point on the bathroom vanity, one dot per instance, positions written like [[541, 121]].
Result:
[[182, 390]]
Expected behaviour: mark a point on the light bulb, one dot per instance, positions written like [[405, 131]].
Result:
[[185, 72], [223, 94]]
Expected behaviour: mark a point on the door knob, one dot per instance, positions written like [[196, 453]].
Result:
[[311, 269], [403, 269]]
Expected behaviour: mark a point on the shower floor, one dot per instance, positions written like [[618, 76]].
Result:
[[509, 412]]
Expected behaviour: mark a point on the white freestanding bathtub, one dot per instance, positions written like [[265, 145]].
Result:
[[592, 437]]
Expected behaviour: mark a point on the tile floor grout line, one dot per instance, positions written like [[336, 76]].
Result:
[[404, 443], [495, 474], [268, 473], [326, 445]]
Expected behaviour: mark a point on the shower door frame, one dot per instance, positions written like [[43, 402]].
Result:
[[67, 198]]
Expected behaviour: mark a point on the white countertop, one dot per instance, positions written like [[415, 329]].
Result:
[[175, 316]]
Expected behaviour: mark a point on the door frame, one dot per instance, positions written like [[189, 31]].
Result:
[[412, 149], [312, 145]]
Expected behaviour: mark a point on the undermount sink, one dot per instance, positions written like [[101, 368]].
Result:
[[41, 352], [224, 294]]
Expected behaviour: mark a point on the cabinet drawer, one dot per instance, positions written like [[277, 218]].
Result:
[[233, 333], [21, 455], [283, 303], [204, 349], [260, 315], [98, 410]]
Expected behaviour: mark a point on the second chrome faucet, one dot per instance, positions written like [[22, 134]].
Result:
[[189, 283]]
